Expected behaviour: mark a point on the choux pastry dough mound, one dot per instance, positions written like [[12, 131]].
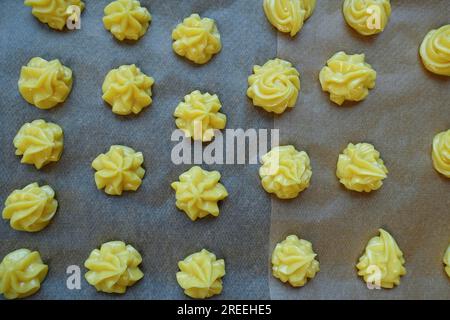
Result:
[[118, 170], [441, 153], [360, 168], [53, 12], [293, 261], [198, 116], [126, 19], [45, 84], [201, 275], [347, 77], [274, 86], [196, 39], [31, 208], [447, 261], [127, 90], [21, 274], [367, 17], [435, 51], [39, 143], [114, 267], [198, 192], [288, 15], [382, 261], [285, 172]]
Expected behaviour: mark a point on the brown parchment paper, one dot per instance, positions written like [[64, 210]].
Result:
[[400, 117]]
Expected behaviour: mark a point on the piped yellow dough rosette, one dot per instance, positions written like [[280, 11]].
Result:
[[441, 153], [347, 77], [367, 17], [382, 262], [360, 168], [293, 261], [127, 90], [274, 86], [285, 171], [435, 51], [55, 13], [39, 143], [446, 261], [31, 208], [45, 84], [118, 170], [198, 192], [21, 274], [126, 19], [114, 267], [201, 275], [196, 39], [288, 15], [198, 116]]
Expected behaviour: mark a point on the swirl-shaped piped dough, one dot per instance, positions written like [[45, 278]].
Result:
[[435, 51], [44, 83], [39, 143], [382, 261], [367, 17], [201, 275], [447, 261], [360, 168], [293, 261], [274, 86], [285, 171], [198, 116], [53, 12], [441, 153], [347, 77], [196, 39], [114, 267], [288, 15], [31, 208], [118, 170], [127, 90], [126, 19], [198, 192], [21, 274]]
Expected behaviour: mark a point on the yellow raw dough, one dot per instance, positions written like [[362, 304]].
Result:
[[39, 143], [382, 261], [31, 208], [347, 77], [293, 261], [201, 275], [198, 192], [21, 274], [44, 83], [441, 153], [114, 267], [198, 116], [118, 170], [196, 39], [447, 261], [127, 90], [53, 12], [288, 15], [285, 171], [360, 168], [274, 86], [367, 17], [126, 19], [435, 51]]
